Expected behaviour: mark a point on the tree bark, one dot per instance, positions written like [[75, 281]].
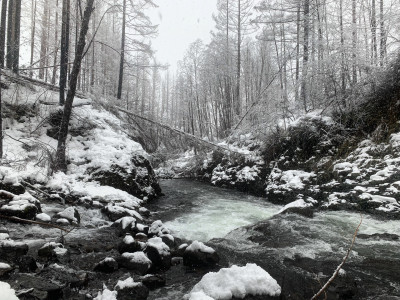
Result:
[[1, 121], [43, 39], [64, 49], [16, 35], [61, 164], [304, 92], [239, 41], [3, 31], [33, 32], [10, 22], [354, 40], [383, 35], [373, 31], [122, 58], [53, 77]]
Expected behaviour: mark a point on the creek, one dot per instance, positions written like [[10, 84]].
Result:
[[301, 253]]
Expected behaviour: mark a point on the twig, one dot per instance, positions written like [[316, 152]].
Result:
[[322, 290], [35, 222], [35, 188]]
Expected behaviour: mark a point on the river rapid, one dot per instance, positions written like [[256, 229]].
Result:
[[301, 253]]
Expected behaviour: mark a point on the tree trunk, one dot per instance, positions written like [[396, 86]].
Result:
[[1, 121], [239, 41], [3, 31], [17, 34], [43, 39], [62, 138], [64, 49], [10, 22], [297, 51], [342, 62], [382, 50], [33, 32], [122, 58], [373, 31], [304, 92], [354, 40], [53, 78]]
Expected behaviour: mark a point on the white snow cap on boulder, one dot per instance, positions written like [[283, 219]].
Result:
[[199, 246], [235, 282]]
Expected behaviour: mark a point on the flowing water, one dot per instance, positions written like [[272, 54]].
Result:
[[197, 211], [299, 252]]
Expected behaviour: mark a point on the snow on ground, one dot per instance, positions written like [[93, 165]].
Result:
[[6, 292], [102, 135], [235, 282]]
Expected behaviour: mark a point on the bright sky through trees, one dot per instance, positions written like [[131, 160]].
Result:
[[181, 22]]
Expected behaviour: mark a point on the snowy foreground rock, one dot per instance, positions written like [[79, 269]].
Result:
[[235, 282]]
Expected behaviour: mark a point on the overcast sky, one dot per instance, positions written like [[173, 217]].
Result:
[[181, 22]]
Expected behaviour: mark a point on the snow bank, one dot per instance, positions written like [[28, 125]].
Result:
[[6, 292], [235, 282]]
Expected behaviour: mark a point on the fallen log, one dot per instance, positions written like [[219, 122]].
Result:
[[180, 132]]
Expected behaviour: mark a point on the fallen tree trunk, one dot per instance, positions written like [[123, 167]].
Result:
[[25, 80], [180, 132]]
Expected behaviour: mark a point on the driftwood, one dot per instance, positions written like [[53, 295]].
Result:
[[323, 289], [16, 219], [179, 132]]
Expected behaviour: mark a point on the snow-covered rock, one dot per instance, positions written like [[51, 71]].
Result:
[[137, 261], [71, 214], [107, 265], [198, 254], [158, 252], [128, 289], [23, 206], [235, 282], [129, 244]]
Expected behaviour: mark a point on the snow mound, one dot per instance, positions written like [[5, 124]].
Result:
[[106, 295], [199, 246], [235, 282], [6, 292]]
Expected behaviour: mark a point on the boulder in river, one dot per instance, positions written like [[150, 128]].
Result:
[[22, 206], [129, 244], [153, 282], [138, 180], [199, 255], [107, 265], [27, 264], [159, 253], [137, 261], [54, 250], [71, 214], [11, 250], [128, 289], [4, 269]]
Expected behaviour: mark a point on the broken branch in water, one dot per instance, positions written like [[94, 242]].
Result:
[[322, 290]]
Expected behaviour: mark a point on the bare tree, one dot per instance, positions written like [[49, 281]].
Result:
[[61, 164], [64, 49], [3, 31], [122, 53]]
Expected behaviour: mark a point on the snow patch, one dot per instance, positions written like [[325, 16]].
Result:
[[235, 282]]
